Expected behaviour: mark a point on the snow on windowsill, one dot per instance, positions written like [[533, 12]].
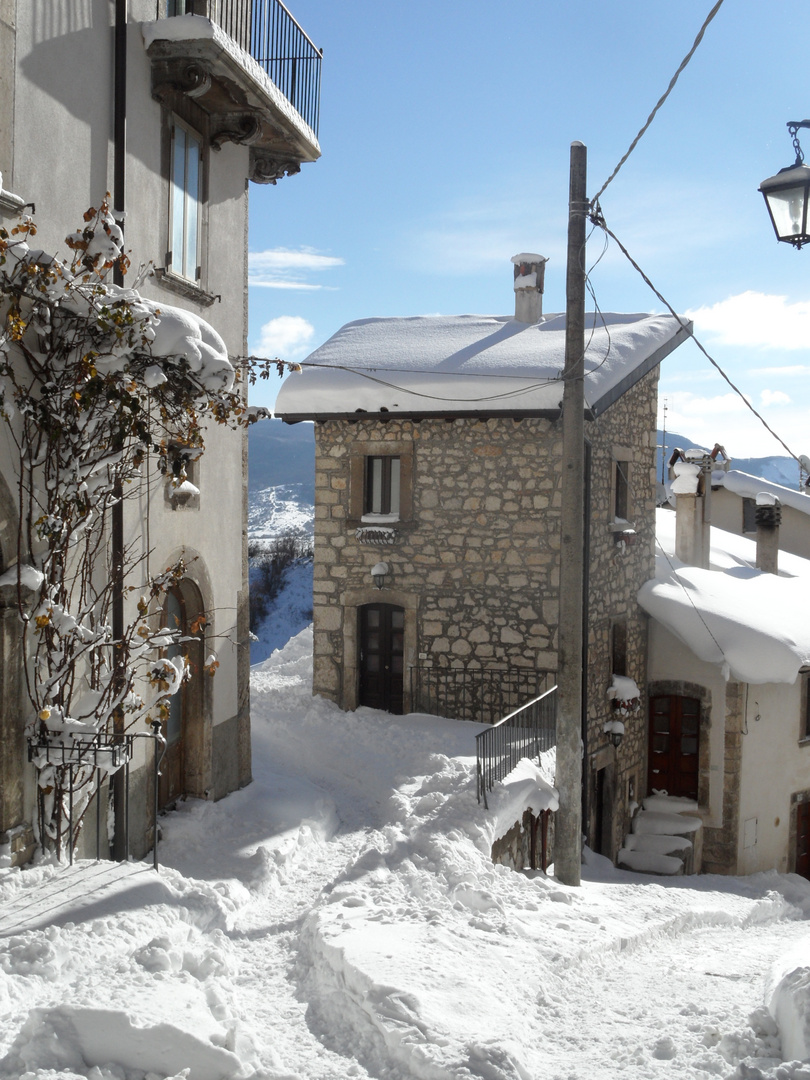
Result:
[[380, 519]]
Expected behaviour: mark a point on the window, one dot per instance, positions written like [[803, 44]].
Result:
[[381, 482], [621, 488], [382, 486], [186, 171]]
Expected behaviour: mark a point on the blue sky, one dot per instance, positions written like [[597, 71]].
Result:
[[445, 131]]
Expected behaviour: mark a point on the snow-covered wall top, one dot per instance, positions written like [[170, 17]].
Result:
[[751, 623], [471, 363], [749, 487]]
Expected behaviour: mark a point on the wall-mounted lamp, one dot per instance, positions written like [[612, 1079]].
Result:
[[787, 195], [379, 574], [614, 729]]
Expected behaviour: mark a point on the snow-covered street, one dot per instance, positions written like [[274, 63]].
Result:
[[341, 917]]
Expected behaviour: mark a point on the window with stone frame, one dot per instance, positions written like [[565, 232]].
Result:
[[381, 483]]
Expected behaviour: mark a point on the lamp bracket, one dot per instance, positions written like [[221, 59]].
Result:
[[793, 128]]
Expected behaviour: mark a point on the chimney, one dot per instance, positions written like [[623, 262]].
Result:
[[768, 519], [691, 486], [529, 273]]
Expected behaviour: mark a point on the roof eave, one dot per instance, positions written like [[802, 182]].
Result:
[[683, 332]]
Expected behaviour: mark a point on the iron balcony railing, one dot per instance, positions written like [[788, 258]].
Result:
[[482, 694], [268, 31], [526, 732]]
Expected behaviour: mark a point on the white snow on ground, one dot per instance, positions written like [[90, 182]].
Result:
[[340, 917]]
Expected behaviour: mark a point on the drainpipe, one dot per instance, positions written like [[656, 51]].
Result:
[[120, 844]]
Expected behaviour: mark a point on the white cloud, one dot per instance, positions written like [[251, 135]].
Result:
[[787, 369], [282, 268], [287, 336], [757, 320], [774, 397], [726, 419]]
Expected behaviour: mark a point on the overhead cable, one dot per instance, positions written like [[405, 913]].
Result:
[[598, 219], [663, 98]]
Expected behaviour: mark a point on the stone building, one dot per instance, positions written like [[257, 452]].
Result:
[[437, 517], [164, 104]]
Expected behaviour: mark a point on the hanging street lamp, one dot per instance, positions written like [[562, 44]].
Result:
[[787, 195]]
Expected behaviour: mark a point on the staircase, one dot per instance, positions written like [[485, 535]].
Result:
[[666, 838]]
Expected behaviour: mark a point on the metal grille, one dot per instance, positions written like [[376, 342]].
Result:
[[526, 732], [104, 754]]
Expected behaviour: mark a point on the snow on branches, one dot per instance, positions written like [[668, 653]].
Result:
[[95, 380]]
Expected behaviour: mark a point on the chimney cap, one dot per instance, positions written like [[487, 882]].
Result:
[[528, 257]]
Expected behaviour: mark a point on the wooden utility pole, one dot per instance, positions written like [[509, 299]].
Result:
[[568, 824]]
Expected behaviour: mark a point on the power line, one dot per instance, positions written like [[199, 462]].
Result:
[[662, 99], [598, 219]]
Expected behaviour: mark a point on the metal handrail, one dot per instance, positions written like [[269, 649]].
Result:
[[525, 732]]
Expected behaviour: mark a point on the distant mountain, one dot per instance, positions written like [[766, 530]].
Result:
[[280, 453], [779, 470]]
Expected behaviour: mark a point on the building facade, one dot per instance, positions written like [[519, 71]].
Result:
[[437, 537], [162, 104]]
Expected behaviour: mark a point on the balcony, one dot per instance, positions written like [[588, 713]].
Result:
[[248, 70]]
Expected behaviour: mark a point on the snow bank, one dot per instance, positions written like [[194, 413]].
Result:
[[341, 917], [527, 787], [69, 1038]]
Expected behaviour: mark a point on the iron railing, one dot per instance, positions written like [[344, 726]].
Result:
[[526, 732], [482, 694], [104, 754], [268, 31]]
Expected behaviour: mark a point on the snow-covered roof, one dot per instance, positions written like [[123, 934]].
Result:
[[491, 364], [753, 624], [748, 487]]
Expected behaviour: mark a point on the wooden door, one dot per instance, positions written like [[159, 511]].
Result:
[[382, 650], [674, 744]]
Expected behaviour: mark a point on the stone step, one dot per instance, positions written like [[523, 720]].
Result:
[[650, 862]]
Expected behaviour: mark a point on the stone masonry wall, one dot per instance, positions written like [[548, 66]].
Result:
[[476, 562], [617, 572]]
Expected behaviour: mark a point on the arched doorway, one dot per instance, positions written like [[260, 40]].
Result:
[[183, 728], [381, 656]]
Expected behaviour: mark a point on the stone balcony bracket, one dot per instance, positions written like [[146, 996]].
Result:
[[241, 102]]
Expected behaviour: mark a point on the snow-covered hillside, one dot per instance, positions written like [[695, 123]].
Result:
[[340, 917], [274, 511]]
